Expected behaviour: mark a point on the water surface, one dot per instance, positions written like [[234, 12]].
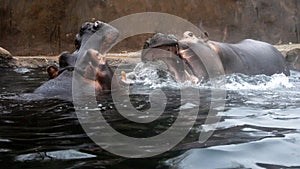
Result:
[[259, 127]]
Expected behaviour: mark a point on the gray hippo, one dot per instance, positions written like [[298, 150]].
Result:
[[250, 57], [93, 40]]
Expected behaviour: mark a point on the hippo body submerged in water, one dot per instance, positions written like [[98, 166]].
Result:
[[250, 57], [93, 40]]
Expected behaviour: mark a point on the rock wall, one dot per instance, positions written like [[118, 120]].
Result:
[[48, 27]]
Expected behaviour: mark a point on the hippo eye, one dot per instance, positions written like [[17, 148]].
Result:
[[86, 26]]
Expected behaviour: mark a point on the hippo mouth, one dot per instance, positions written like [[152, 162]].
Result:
[[166, 48], [175, 63]]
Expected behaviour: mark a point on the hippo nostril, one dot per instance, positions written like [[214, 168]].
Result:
[[97, 24]]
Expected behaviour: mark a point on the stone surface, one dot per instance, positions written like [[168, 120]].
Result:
[[38, 31], [291, 52], [4, 54]]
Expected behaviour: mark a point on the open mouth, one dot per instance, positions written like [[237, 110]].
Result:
[[175, 64]]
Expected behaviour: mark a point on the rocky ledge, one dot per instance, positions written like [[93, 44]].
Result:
[[290, 51], [6, 59]]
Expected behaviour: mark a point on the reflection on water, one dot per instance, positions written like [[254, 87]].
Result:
[[259, 127]]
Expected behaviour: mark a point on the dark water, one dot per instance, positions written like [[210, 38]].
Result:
[[259, 127]]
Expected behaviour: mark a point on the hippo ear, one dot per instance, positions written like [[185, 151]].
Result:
[[52, 71], [205, 36], [77, 41], [63, 59], [146, 44]]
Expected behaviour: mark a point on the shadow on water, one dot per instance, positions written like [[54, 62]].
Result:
[[47, 134]]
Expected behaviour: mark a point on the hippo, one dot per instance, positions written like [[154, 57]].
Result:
[[92, 41], [250, 57]]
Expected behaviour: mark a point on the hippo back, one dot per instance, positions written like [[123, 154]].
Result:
[[60, 87], [251, 57]]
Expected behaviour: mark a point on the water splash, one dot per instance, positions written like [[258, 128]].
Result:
[[152, 75], [157, 76], [258, 82], [22, 70]]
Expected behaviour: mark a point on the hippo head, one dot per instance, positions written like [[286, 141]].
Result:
[[190, 38], [87, 63], [165, 48], [160, 45], [92, 42], [98, 35]]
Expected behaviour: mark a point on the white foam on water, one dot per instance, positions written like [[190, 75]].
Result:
[[54, 155], [258, 82], [22, 70], [157, 76], [152, 75], [187, 106]]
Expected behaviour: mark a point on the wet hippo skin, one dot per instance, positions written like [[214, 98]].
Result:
[[250, 57], [93, 40]]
